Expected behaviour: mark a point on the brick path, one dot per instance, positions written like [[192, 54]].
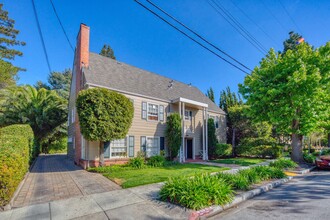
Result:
[[55, 177]]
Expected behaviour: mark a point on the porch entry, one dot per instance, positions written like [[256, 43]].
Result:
[[189, 148]]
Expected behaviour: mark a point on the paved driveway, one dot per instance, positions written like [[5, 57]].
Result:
[[55, 177]]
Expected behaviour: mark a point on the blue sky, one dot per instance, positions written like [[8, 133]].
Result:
[[140, 39]]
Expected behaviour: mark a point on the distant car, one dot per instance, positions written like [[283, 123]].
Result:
[[323, 160]]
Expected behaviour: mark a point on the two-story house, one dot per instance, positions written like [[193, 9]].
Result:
[[154, 98]]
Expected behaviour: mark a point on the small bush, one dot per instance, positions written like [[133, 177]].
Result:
[[156, 161], [251, 175], [309, 158], [137, 162], [283, 163], [198, 192], [259, 147], [58, 146], [15, 144], [223, 150]]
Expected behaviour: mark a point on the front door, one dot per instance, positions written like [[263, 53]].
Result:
[[189, 149]]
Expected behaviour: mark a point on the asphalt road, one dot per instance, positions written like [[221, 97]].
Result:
[[305, 197]]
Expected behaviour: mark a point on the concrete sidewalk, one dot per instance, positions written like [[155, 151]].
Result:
[[134, 203]]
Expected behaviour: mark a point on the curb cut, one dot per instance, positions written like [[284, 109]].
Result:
[[245, 196]]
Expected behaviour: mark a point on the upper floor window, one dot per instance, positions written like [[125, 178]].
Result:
[[153, 113], [187, 115]]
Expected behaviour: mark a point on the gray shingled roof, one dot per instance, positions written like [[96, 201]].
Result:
[[110, 73]]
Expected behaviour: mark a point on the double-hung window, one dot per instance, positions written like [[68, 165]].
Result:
[[187, 115], [118, 148], [153, 113], [152, 146]]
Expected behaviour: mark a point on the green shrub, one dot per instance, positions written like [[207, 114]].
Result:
[[198, 192], [173, 134], [137, 162], [251, 175], [15, 144], [58, 146], [235, 180], [156, 161], [223, 150], [259, 147], [283, 163], [309, 158]]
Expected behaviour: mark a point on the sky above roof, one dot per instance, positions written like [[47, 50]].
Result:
[[140, 39]]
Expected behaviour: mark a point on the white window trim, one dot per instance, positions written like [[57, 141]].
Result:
[[148, 111], [127, 148], [158, 137]]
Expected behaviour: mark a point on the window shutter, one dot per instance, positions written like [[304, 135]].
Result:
[[107, 149], [143, 143], [131, 146], [162, 143], [161, 113], [144, 110]]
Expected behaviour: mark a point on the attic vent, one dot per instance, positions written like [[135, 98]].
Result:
[[118, 62], [171, 84], [189, 84]]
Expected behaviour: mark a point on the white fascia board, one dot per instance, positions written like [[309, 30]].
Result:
[[180, 99]]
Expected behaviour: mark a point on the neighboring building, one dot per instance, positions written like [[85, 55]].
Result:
[[154, 97]]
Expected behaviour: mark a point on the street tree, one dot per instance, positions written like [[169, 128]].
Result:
[[287, 91], [104, 116], [8, 51], [292, 42], [210, 94], [107, 51]]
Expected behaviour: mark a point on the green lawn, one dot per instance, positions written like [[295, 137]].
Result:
[[240, 161], [129, 177]]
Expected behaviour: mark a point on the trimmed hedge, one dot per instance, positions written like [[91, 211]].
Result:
[[15, 145], [259, 147]]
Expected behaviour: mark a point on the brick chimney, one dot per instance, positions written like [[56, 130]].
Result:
[[81, 61]]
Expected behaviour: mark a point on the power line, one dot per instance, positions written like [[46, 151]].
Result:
[[185, 34], [236, 28], [198, 35], [41, 36], [272, 14], [59, 21], [286, 11], [248, 17], [239, 25]]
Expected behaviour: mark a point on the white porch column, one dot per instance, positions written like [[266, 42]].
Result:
[[203, 134], [180, 151], [207, 138], [183, 134]]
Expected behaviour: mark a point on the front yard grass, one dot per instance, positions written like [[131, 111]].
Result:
[[130, 177], [240, 161]]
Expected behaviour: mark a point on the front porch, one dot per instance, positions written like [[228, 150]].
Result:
[[194, 129]]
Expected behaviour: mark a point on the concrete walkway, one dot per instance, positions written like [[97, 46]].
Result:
[[134, 203], [54, 177]]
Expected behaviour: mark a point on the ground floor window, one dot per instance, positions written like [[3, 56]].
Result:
[[152, 146], [116, 148]]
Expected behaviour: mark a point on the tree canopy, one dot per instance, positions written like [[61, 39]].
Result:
[[210, 94], [288, 91], [107, 52], [8, 51], [104, 115], [292, 42]]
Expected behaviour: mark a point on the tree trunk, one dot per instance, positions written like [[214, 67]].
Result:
[[101, 154], [233, 143], [328, 140], [296, 144]]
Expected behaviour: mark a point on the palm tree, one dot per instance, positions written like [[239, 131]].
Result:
[[44, 110]]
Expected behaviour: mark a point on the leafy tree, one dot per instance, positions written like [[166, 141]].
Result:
[[211, 137], [104, 116], [8, 40], [287, 91], [210, 94], [291, 43], [107, 52], [42, 109], [58, 81], [173, 134]]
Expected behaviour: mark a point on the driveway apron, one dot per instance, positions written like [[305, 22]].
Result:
[[55, 177]]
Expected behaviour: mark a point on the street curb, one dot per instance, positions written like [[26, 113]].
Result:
[[245, 196], [303, 171]]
